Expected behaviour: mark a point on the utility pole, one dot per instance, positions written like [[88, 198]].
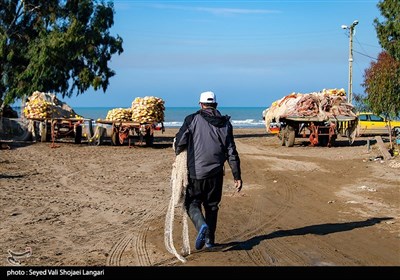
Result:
[[351, 29]]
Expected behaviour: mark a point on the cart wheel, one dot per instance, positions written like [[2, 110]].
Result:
[[396, 131], [45, 134], [115, 138], [323, 140], [281, 135], [43, 131], [347, 133], [78, 134], [332, 140], [289, 136], [35, 128], [149, 138], [101, 132], [90, 132]]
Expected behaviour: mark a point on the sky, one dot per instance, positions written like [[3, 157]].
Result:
[[249, 53]]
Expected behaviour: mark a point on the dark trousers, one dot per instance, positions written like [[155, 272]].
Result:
[[207, 193]]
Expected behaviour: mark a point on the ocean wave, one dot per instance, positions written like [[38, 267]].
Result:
[[235, 123], [173, 124], [251, 122]]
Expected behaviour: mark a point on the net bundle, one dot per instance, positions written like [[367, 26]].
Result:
[[148, 109], [41, 105], [324, 104], [119, 114]]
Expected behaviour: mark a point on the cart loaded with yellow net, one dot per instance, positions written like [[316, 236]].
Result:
[[52, 119], [139, 121]]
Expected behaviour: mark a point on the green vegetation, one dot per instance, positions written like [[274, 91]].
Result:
[[382, 78], [58, 46]]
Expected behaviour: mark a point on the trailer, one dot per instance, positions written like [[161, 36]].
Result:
[[50, 129], [320, 132], [121, 131]]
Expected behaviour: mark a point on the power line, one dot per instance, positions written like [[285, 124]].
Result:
[[373, 46], [365, 55], [361, 46]]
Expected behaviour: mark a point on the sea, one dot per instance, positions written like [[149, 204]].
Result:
[[241, 117]]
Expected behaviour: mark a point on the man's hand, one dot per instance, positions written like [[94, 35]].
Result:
[[238, 185]]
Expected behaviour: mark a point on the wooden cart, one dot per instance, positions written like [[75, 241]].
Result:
[[322, 132], [128, 130], [57, 128]]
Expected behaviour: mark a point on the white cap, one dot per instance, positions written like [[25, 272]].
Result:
[[208, 97]]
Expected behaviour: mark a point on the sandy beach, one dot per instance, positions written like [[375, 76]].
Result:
[[81, 205]]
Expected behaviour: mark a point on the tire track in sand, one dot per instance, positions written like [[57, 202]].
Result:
[[136, 239], [115, 254], [139, 241]]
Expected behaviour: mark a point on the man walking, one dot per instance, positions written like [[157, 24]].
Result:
[[208, 138]]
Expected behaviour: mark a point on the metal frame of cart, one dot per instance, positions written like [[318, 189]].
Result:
[[51, 129], [122, 130], [321, 132]]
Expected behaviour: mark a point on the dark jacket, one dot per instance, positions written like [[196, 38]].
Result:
[[208, 138]]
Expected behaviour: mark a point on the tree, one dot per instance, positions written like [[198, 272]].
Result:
[[389, 31], [382, 78], [59, 46], [361, 102], [382, 84]]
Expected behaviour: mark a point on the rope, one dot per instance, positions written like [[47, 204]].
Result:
[[179, 181]]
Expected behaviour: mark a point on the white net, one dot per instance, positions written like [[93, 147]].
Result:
[[324, 104], [179, 181]]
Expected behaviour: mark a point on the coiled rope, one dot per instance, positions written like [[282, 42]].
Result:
[[179, 181]]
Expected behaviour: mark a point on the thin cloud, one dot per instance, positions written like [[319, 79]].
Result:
[[217, 11]]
